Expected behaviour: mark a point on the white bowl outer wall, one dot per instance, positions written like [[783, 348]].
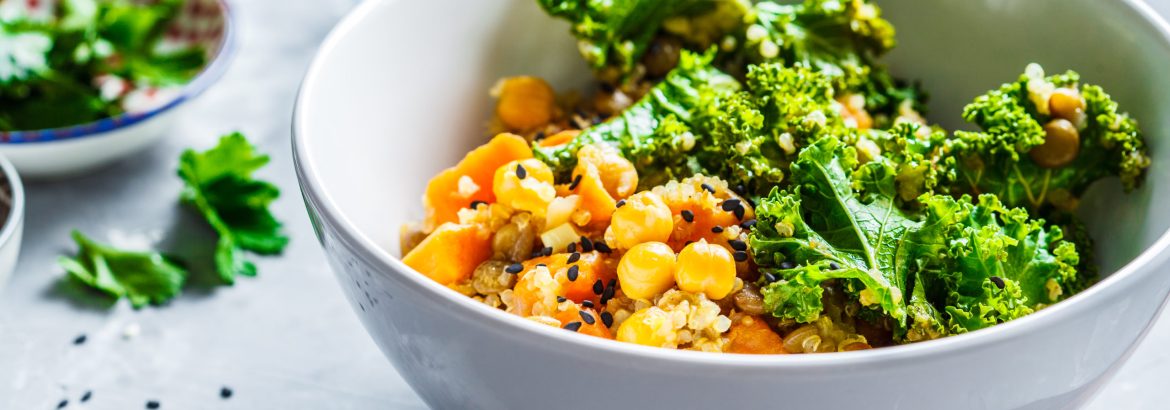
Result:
[[398, 92], [74, 156]]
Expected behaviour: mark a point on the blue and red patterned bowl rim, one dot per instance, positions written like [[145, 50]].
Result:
[[200, 83]]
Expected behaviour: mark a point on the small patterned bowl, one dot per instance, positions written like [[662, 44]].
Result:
[[66, 151]]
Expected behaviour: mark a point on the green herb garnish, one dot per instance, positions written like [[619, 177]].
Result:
[[142, 277], [219, 185]]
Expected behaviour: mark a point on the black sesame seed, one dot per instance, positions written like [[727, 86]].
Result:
[[572, 248], [613, 283], [750, 202], [739, 212], [588, 318], [561, 299], [576, 181], [225, 392], [573, 257], [587, 303], [730, 205], [539, 136], [521, 172], [737, 245], [602, 247], [586, 244], [717, 229], [573, 326], [708, 188], [572, 274], [514, 268], [475, 204], [541, 265], [598, 287], [748, 224], [607, 319], [770, 277], [547, 251], [86, 396], [834, 266], [998, 281], [608, 293], [62, 404], [620, 203], [787, 265], [153, 404], [739, 189], [687, 215], [79, 339], [740, 256]]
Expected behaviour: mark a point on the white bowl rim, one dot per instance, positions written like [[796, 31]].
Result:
[[202, 81], [312, 189]]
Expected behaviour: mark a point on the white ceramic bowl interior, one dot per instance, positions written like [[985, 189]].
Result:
[[393, 98], [68, 151]]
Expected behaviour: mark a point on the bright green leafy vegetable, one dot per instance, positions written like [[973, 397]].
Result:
[[997, 160], [219, 185], [49, 69], [613, 35], [749, 138], [655, 133], [141, 277], [931, 272]]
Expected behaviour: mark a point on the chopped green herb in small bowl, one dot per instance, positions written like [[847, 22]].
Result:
[[86, 82]]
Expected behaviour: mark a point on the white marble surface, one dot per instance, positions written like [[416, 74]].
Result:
[[285, 339]]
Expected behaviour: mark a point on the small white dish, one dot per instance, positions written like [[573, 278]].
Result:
[[72, 150], [392, 98], [12, 230]]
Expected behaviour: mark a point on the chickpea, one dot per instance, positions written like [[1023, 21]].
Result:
[[618, 175], [1061, 145], [644, 218], [705, 268], [1068, 104], [662, 56], [646, 270], [525, 103]]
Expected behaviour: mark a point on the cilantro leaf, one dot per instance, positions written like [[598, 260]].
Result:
[[141, 277], [219, 185]]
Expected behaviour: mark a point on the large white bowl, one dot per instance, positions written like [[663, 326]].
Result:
[[399, 91]]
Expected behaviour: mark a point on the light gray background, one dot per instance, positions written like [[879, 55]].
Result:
[[285, 339]]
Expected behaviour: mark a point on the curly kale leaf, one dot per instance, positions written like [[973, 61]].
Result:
[[841, 39], [996, 160], [927, 270], [654, 133], [219, 185], [829, 230], [141, 277], [613, 35], [751, 137]]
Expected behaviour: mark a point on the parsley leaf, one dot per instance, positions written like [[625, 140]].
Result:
[[219, 185], [141, 277]]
